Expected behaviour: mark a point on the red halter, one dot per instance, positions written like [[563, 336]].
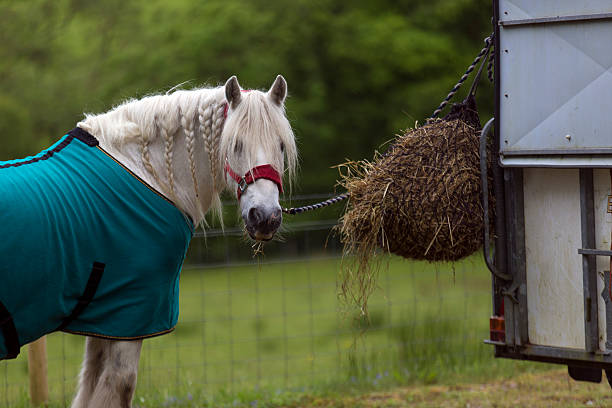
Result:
[[265, 171]]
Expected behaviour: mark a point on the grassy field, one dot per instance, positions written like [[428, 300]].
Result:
[[268, 335], [532, 390]]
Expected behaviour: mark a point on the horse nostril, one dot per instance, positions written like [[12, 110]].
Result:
[[275, 219], [264, 221], [255, 216]]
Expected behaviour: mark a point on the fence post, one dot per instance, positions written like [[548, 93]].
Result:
[[37, 370]]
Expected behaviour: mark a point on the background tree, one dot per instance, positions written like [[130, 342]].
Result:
[[359, 72]]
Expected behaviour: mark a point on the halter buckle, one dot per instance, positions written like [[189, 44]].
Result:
[[242, 185]]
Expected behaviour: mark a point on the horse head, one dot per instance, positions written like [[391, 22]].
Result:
[[257, 145]]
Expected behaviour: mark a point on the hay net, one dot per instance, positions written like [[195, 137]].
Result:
[[420, 200]]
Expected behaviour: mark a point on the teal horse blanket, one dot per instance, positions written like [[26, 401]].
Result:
[[87, 248]]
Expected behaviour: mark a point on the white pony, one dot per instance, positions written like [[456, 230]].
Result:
[[189, 145]]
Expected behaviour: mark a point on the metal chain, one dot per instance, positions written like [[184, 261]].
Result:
[[489, 42]]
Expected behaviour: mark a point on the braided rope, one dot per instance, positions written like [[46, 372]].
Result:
[[490, 65], [333, 200], [483, 52]]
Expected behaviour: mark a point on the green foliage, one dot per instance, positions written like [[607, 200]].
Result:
[[358, 72]]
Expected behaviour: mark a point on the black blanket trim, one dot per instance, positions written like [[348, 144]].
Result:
[[84, 137], [76, 133]]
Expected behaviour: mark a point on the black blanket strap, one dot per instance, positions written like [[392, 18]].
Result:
[[87, 296], [11, 339]]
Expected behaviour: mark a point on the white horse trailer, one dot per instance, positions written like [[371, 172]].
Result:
[[552, 183]]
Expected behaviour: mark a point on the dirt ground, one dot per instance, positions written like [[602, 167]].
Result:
[[544, 389]]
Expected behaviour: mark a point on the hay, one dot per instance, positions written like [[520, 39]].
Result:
[[420, 200]]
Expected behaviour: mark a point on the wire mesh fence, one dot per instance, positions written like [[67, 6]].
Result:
[[273, 324]]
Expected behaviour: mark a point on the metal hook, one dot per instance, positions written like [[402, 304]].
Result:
[[485, 201]]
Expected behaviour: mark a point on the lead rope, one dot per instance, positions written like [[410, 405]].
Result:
[[316, 206], [488, 46]]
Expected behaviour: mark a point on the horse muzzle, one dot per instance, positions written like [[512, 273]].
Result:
[[262, 223]]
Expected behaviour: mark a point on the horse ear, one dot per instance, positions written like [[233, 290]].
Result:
[[278, 90], [232, 91]]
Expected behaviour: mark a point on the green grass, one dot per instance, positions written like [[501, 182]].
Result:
[[266, 335]]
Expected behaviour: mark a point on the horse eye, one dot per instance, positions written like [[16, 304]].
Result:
[[238, 147]]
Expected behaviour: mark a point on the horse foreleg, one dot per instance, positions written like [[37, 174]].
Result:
[[116, 379], [93, 363]]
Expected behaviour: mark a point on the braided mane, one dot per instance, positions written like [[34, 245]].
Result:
[[178, 142]]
